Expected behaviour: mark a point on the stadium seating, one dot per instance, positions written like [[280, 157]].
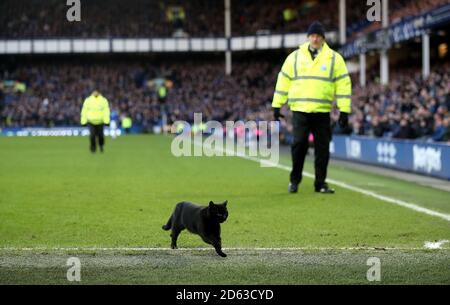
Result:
[[204, 18], [358, 24], [54, 95], [143, 18], [410, 107], [44, 94]]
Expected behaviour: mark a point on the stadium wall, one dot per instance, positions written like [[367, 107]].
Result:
[[412, 156]]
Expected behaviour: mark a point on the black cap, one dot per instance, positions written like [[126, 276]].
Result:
[[316, 28]]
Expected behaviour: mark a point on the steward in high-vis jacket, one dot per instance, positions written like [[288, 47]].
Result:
[[95, 113], [311, 78]]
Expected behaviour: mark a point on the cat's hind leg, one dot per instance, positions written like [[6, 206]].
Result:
[[174, 235]]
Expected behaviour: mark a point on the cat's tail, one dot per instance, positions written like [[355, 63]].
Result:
[[168, 225]]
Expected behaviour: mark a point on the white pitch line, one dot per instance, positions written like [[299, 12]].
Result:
[[87, 249], [398, 202], [435, 245]]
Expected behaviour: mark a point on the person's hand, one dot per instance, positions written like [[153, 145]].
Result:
[[343, 120], [276, 114]]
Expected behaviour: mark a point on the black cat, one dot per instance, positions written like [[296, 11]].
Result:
[[202, 220]]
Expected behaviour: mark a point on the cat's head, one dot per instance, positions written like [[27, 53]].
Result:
[[218, 211]]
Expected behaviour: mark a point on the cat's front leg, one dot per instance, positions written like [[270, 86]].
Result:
[[218, 246], [219, 251]]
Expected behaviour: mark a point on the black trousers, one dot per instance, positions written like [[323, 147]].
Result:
[[319, 125], [96, 133]]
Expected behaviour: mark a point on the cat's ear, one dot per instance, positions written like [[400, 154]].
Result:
[[211, 203], [225, 203]]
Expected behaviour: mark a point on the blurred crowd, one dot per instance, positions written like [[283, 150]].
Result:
[[357, 23], [112, 18], [156, 18], [54, 92], [197, 18], [410, 107], [40, 93]]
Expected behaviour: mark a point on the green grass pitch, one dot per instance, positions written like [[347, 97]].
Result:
[[55, 194]]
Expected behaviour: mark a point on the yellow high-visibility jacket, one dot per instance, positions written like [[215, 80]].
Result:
[[312, 86], [127, 122], [95, 110]]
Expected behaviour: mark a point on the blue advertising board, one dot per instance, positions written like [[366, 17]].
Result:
[[66, 131], [52, 132], [419, 157]]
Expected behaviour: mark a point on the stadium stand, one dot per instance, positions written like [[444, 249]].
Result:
[[409, 107], [42, 93], [105, 19], [399, 10], [198, 18], [284, 16], [54, 93], [202, 18]]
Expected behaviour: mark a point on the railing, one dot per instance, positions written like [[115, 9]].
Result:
[[137, 45]]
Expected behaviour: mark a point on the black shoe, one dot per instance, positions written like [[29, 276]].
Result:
[[293, 188], [101, 149], [324, 189]]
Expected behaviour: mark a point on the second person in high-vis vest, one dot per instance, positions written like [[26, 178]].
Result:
[[95, 113], [311, 78]]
